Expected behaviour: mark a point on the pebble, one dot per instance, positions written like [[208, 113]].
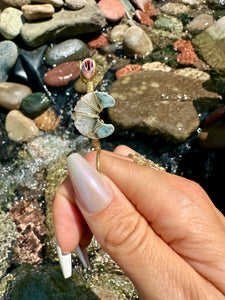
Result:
[[37, 12], [19, 127], [62, 74], [75, 4], [128, 69], [12, 94], [174, 8], [8, 55], [72, 49], [145, 6], [16, 3], [55, 3], [137, 43], [10, 22], [98, 42], [187, 55], [113, 10], [34, 104], [143, 18], [200, 23], [169, 23], [118, 32], [48, 120]]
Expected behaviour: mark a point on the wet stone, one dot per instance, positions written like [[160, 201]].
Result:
[[75, 4], [174, 8], [200, 23], [118, 32], [8, 54], [169, 23], [10, 22], [128, 69], [143, 18], [145, 6], [98, 42], [35, 104], [62, 74], [113, 10], [48, 120], [36, 12], [12, 94], [72, 49]]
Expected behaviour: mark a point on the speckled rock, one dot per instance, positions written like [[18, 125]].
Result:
[[211, 44], [63, 24], [174, 8], [37, 12], [8, 54], [10, 22], [19, 127], [48, 120], [69, 50], [118, 32], [8, 236], [35, 104], [169, 23], [200, 23], [12, 94], [113, 10], [163, 103], [55, 3], [187, 55], [16, 3], [75, 4], [128, 69], [136, 42]]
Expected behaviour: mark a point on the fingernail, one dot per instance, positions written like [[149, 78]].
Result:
[[89, 187], [65, 262], [82, 253]]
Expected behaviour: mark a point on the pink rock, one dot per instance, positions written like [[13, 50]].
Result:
[[62, 74], [187, 55], [143, 18], [146, 6], [214, 117], [128, 69], [113, 10], [98, 42]]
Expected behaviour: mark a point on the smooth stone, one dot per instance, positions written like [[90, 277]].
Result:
[[37, 12], [200, 23], [169, 23], [145, 6], [8, 54], [69, 50], [35, 104], [10, 22], [63, 24], [16, 3], [19, 127], [98, 42], [164, 103], [55, 3], [210, 45], [174, 8], [113, 10], [12, 94], [48, 120], [143, 18], [137, 43], [128, 69], [62, 74], [118, 32], [75, 4]]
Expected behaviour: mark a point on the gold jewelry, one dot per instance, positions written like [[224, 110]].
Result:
[[98, 160], [141, 160]]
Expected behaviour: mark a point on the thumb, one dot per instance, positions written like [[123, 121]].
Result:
[[125, 234]]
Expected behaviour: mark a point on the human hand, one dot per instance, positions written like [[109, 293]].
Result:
[[162, 229]]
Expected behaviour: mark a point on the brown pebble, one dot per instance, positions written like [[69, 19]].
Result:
[[143, 18], [39, 11], [48, 120], [187, 55], [98, 42], [146, 6], [128, 69]]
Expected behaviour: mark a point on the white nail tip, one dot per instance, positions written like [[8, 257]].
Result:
[[82, 253], [65, 262]]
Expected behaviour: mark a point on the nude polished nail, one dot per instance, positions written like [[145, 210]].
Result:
[[90, 189]]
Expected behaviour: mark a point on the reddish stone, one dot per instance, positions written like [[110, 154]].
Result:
[[98, 42], [146, 6], [128, 69], [214, 117], [143, 18], [62, 74], [187, 55], [113, 10]]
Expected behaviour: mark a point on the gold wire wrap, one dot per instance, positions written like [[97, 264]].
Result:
[[98, 160]]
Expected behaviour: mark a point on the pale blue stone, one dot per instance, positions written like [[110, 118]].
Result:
[[8, 57]]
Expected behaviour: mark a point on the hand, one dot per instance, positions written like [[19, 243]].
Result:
[[162, 229]]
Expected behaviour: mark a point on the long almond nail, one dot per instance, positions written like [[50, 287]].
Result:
[[90, 189]]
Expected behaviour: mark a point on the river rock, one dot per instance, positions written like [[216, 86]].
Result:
[[10, 22], [48, 120], [200, 23], [113, 10], [211, 44], [16, 3], [136, 42], [12, 94], [63, 24], [169, 23], [75, 4], [36, 12], [118, 32], [35, 104], [145, 6], [174, 8], [143, 18], [8, 55], [55, 3], [159, 103], [62, 74], [19, 127], [69, 50]]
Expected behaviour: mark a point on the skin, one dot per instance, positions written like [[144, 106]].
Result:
[[162, 229]]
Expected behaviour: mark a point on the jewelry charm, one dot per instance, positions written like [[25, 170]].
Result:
[[141, 160]]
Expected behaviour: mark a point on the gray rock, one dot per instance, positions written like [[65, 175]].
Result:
[[159, 103], [12, 94], [19, 127], [11, 22], [69, 50], [169, 23], [16, 3], [136, 42], [210, 45], [55, 3], [8, 57], [75, 4], [200, 23], [65, 23]]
